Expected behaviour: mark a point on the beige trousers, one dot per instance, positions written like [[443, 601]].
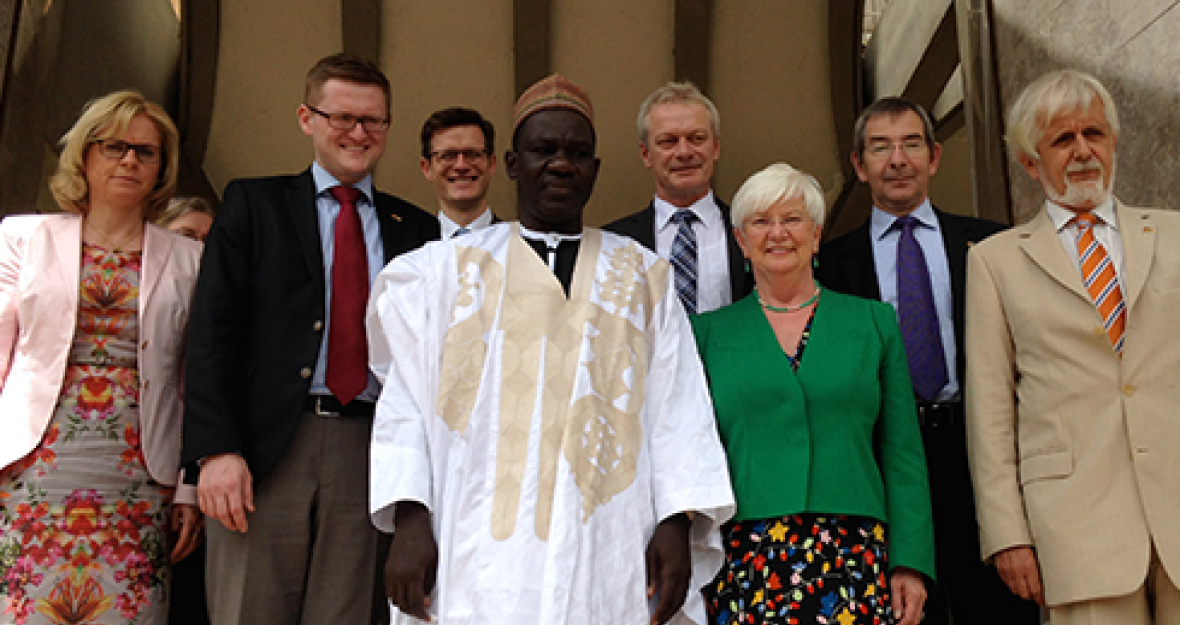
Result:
[[1156, 602]]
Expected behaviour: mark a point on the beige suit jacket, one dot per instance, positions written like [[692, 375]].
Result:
[[40, 263], [1072, 450]]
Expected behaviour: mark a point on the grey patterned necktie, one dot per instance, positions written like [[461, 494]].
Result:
[[683, 257]]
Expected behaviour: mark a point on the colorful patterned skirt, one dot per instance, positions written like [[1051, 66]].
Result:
[[802, 569], [82, 524]]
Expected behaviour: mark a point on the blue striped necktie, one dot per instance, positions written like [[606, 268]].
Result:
[[683, 257]]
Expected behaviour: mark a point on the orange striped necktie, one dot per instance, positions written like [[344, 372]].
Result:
[[1101, 281]]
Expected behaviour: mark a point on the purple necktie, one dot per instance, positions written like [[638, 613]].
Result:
[[915, 311]]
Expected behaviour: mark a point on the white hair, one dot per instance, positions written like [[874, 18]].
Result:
[[1046, 97], [778, 182]]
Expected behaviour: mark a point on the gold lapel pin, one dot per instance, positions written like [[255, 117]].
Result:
[[396, 217]]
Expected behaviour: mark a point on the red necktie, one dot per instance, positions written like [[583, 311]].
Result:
[[348, 360]]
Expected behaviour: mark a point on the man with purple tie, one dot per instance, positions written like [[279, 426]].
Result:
[[914, 256]]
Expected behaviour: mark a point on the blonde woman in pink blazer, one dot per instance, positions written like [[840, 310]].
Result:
[[93, 308]]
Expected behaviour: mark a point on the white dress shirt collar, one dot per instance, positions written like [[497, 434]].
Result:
[[1061, 216], [551, 239], [448, 226], [705, 209]]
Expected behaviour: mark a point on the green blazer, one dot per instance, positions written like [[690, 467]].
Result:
[[838, 436]]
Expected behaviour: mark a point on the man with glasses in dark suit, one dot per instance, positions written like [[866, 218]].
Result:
[[278, 396], [914, 256]]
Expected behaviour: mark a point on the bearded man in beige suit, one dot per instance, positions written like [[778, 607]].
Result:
[[1073, 393]]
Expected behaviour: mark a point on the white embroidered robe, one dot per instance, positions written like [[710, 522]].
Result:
[[548, 437]]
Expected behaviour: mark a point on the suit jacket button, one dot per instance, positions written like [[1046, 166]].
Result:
[[317, 326], [305, 373], [1128, 390]]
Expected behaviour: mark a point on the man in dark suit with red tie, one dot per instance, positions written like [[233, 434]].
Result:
[[914, 257], [278, 396]]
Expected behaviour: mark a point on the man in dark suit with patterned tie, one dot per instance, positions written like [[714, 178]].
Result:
[[914, 256], [278, 396], [680, 142]]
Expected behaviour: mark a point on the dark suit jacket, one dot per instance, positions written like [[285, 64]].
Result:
[[641, 226], [846, 265], [257, 315]]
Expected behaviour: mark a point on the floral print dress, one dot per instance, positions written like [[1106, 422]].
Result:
[[82, 523]]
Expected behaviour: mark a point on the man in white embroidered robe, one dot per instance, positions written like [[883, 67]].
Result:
[[553, 429]]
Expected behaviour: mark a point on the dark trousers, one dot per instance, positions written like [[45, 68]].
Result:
[[968, 590], [187, 605], [311, 555]]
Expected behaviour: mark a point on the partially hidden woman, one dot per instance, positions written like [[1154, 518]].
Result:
[[816, 410], [93, 308], [191, 216]]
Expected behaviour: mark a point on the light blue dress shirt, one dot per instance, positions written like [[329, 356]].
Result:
[[327, 208], [929, 237]]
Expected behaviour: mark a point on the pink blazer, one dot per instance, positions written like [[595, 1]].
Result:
[[40, 263]]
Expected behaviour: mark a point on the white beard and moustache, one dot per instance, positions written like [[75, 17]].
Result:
[[1090, 193]]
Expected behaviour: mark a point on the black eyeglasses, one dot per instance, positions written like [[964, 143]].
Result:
[[116, 149], [346, 122], [450, 157]]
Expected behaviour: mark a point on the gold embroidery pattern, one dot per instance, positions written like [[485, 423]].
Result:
[[465, 348], [548, 342], [534, 312], [601, 439], [605, 430], [622, 280]]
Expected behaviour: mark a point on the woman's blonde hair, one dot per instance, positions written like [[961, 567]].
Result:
[[106, 117]]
